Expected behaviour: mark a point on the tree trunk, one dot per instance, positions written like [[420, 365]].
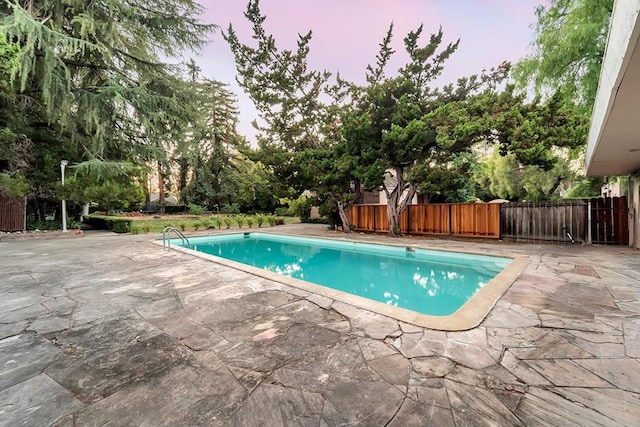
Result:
[[394, 219], [160, 189], [342, 211], [396, 203]]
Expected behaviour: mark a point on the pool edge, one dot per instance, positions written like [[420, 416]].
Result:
[[470, 315]]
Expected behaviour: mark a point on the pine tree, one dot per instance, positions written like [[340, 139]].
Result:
[[96, 69]]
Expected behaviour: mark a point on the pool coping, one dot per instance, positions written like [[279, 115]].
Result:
[[468, 316]]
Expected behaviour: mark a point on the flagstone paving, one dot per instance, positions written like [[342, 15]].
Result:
[[112, 330]]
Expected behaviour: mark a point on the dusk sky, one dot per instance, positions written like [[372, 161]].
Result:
[[347, 33]]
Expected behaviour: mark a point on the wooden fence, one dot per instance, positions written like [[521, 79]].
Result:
[[610, 221], [12, 213], [544, 221], [598, 221], [464, 219]]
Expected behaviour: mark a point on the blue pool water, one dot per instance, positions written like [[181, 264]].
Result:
[[429, 282]]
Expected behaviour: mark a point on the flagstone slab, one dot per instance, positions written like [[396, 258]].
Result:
[[14, 328], [92, 380], [618, 405], [472, 356], [343, 359], [363, 402], [476, 406], [393, 369], [551, 346], [272, 405], [522, 371], [45, 325], [500, 316], [25, 356], [38, 401], [420, 414], [182, 395], [436, 394], [545, 408], [623, 373], [420, 344], [632, 338], [435, 366], [374, 325], [374, 349], [566, 373]]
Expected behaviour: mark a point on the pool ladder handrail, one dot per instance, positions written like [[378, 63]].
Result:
[[167, 242]]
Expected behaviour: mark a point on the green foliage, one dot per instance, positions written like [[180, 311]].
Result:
[[146, 227], [117, 193], [196, 209], [232, 208], [182, 225], [260, 219], [509, 179], [300, 207], [99, 78], [117, 225], [272, 220], [135, 229], [586, 188], [570, 40], [228, 221], [14, 185], [240, 220], [216, 222], [249, 220], [50, 225]]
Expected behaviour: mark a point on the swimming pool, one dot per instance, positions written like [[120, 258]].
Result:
[[406, 279]]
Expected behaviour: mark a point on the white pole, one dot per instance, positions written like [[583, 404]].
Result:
[[63, 163]]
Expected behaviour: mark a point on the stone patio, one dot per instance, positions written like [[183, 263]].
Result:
[[112, 330]]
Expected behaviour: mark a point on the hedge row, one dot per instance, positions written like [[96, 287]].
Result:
[[117, 225]]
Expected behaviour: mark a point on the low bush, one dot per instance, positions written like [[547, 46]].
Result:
[[233, 208], [117, 225], [196, 209]]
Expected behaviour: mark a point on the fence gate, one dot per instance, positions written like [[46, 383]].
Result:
[[12, 213], [544, 221], [610, 221]]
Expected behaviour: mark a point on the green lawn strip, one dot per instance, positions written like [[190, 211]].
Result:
[[197, 223]]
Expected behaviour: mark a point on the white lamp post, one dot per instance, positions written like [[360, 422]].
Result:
[[63, 163]]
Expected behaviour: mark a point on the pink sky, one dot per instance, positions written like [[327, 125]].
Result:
[[346, 34]]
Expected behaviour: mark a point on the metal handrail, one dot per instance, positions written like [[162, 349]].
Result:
[[167, 242]]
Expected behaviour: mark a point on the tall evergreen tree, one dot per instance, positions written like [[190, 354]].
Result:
[[92, 75], [402, 119]]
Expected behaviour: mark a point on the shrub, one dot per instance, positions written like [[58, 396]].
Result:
[[271, 220], [240, 220], [279, 221], [135, 230], [281, 211], [249, 220], [146, 227], [300, 207], [197, 225], [121, 226], [216, 222], [182, 225], [260, 219], [196, 209], [233, 208], [227, 220], [117, 225]]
